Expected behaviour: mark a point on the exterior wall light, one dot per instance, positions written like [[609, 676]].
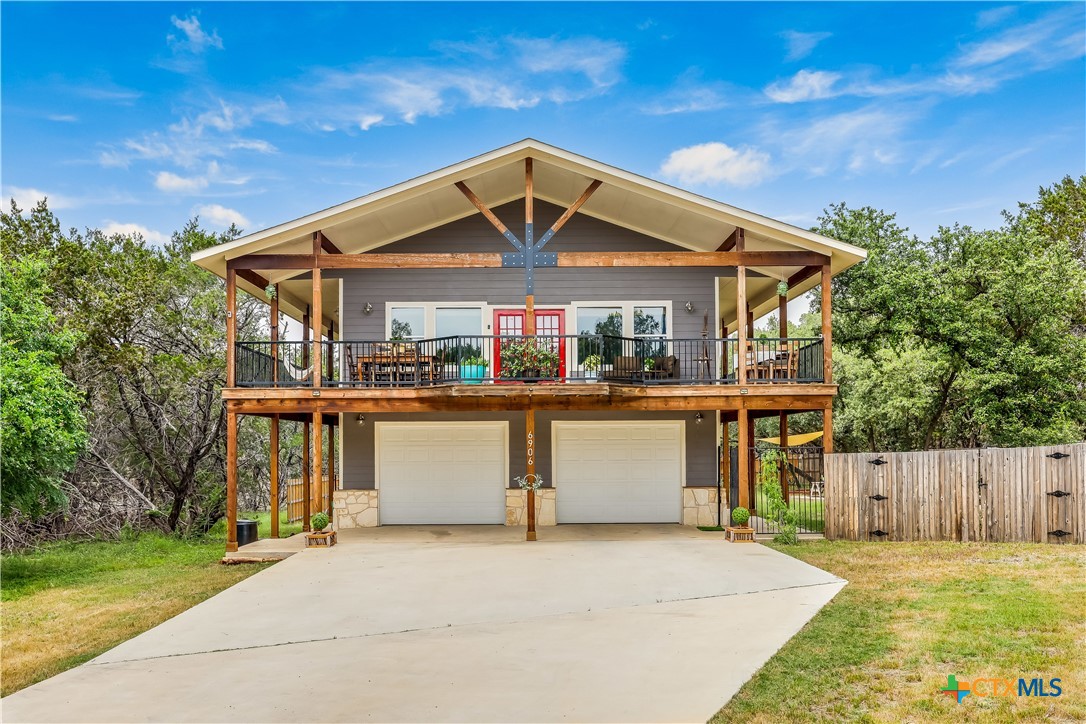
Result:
[[368, 309], [690, 306], [698, 418], [361, 420]]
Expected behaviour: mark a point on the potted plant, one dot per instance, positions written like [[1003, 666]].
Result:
[[472, 370], [740, 532], [591, 365], [319, 536]]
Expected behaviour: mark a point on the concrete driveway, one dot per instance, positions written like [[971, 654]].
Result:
[[591, 623]]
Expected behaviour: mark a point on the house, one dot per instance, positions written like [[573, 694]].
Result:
[[528, 312]]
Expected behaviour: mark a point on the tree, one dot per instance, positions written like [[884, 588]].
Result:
[[967, 339], [43, 430], [1058, 214]]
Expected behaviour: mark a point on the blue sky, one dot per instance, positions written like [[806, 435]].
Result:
[[138, 116]]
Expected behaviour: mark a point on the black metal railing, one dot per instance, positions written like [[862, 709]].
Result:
[[491, 359]]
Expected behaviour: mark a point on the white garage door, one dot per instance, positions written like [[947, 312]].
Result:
[[442, 472], [622, 472]]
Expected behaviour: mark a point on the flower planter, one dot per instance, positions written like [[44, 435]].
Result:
[[320, 539], [739, 534], [472, 374]]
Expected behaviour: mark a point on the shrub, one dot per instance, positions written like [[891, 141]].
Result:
[[319, 522], [740, 516]]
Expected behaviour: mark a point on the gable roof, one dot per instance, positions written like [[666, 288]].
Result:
[[625, 199]]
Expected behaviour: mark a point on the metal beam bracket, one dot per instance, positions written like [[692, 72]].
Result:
[[516, 259]]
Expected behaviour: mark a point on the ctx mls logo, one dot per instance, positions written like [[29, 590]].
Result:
[[983, 688]]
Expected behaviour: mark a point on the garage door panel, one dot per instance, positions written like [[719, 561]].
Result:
[[623, 472], [438, 473]]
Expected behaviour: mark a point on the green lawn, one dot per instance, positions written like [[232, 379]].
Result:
[[914, 613], [68, 602], [809, 511]]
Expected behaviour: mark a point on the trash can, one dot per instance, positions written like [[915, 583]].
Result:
[[246, 532]]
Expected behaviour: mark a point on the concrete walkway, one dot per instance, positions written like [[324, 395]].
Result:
[[591, 623]]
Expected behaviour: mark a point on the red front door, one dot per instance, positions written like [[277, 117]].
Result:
[[548, 323]]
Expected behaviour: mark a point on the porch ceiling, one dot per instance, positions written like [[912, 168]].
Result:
[[641, 204]]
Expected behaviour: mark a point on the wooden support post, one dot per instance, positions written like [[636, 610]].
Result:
[[316, 318], [318, 460], [741, 322], [529, 314], [273, 473], [752, 477], [743, 446], [827, 327], [726, 450], [273, 324], [529, 436], [231, 325], [331, 467], [231, 481], [827, 430]]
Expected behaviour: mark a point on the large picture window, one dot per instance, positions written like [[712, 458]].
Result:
[[605, 321], [427, 320]]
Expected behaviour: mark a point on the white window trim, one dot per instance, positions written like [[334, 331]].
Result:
[[429, 315]]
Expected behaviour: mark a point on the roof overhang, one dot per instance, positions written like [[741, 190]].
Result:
[[625, 199]]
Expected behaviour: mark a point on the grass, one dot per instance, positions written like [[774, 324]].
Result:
[[68, 602], [810, 512], [914, 613]]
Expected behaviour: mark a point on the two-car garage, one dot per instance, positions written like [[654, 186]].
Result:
[[458, 472]]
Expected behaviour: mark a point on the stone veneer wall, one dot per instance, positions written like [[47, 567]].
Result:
[[355, 509], [516, 511], [699, 506]]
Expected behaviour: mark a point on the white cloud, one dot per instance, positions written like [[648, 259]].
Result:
[[1051, 39], [598, 60], [800, 45], [62, 118], [806, 85], [174, 184], [369, 120], [715, 163], [26, 198], [221, 216], [195, 40], [155, 237], [857, 140], [994, 16]]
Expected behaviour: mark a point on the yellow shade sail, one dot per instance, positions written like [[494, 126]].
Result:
[[793, 440]]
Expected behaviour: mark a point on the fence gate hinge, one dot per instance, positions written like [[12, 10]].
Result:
[[881, 533], [1058, 455], [1058, 533], [878, 461], [1059, 494], [878, 496]]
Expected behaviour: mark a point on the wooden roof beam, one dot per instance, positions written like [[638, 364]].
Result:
[[490, 216], [733, 241], [568, 213]]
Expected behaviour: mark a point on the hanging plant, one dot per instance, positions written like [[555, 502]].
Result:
[[782, 289], [270, 291]]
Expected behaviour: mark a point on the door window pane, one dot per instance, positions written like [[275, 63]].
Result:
[[650, 321], [408, 323]]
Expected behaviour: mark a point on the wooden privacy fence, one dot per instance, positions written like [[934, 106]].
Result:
[[993, 494], [296, 500]]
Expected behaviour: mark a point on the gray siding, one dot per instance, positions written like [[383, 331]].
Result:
[[359, 455], [506, 286]]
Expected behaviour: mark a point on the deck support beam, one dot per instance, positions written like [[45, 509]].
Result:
[[231, 481], [318, 460], [529, 502], [307, 480], [743, 448]]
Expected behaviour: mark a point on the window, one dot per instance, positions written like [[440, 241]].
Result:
[[466, 323], [650, 325], [458, 321], [408, 323], [605, 321]]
